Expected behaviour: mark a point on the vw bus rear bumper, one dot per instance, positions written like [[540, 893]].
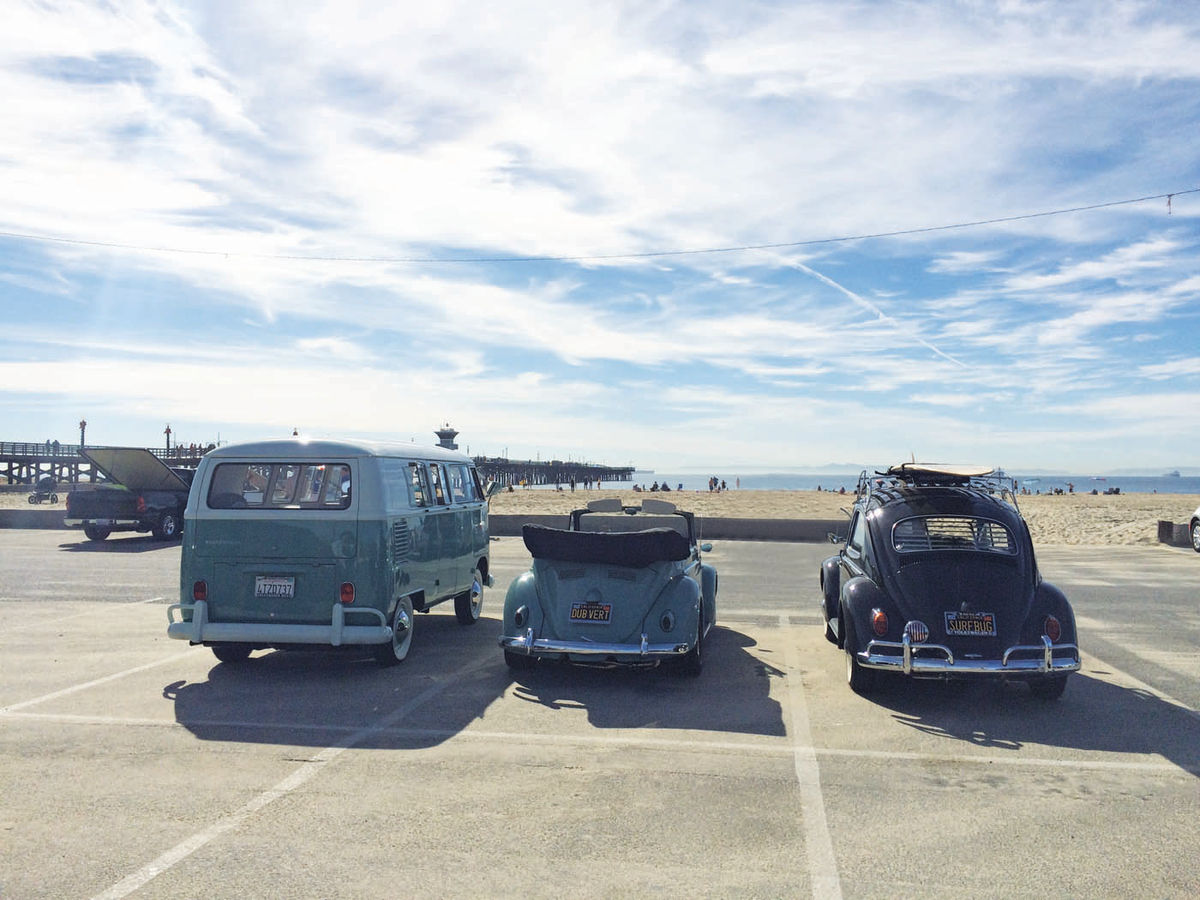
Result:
[[336, 634]]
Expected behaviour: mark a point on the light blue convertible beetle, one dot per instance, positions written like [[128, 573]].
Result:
[[620, 586]]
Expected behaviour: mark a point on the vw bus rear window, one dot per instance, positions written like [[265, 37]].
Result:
[[281, 485], [925, 533]]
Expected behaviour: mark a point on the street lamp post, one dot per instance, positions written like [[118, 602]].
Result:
[[82, 429], [167, 432]]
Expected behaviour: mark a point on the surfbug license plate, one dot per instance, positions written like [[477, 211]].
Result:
[[274, 587], [594, 613], [971, 624]]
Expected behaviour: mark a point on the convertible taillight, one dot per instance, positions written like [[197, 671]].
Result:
[[879, 622], [1052, 628]]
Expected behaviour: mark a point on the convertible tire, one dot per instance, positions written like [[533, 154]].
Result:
[[1049, 688], [169, 527], [468, 604], [396, 650], [95, 532], [519, 662], [692, 663], [231, 653], [860, 679], [1195, 532]]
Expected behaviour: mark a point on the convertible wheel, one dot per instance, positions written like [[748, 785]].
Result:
[[693, 661], [1049, 688], [168, 527], [96, 533], [861, 680], [467, 605], [1196, 535], [396, 650], [231, 653], [519, 662]]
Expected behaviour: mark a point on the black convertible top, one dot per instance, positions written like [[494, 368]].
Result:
[[632, 548]]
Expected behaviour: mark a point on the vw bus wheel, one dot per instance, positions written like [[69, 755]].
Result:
[[231, 653], [396, 650], [468, 605]]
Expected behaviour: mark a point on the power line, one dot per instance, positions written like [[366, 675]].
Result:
[[649, 254]]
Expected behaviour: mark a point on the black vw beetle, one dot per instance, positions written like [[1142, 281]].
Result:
[[937, 579]]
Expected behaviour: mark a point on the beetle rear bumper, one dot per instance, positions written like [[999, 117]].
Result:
[[530, 646], [904, 656]]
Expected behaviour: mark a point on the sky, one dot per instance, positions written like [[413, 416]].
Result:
[[705, 235]]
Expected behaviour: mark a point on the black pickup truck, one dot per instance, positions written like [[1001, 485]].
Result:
[[145, 494]]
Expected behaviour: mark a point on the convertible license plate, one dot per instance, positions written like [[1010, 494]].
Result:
[[971, 624], [274, 587], [596, 613]]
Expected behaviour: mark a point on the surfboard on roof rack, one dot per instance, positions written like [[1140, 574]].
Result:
[[935, 472]]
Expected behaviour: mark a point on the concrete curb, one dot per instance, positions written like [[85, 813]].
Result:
[[711, 529]]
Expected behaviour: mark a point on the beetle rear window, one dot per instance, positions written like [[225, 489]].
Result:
[[924, 533], [280, 486]]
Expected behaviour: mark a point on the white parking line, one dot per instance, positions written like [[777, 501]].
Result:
[[305, 773], [52, 620], [822, 864], [74, 689]]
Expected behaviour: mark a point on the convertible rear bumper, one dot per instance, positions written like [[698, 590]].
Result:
[[905, 656], [529, 645]]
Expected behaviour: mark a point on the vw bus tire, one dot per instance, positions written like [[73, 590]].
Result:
[[167, 528], [1049, 688], [861, 680], [519, 662], [468, 604], [231, 653], [396, 650], [95, 533]]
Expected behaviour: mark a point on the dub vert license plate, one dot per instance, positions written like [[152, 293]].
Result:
[[971, 624], [598, 613], [274, 587]]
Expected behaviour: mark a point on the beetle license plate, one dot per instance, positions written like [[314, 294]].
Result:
[[596, 613], [274, 587], [971, 624]]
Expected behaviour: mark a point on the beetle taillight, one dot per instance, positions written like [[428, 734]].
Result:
[[1052, 628], [200, 590], [347, 592], [879, 622]]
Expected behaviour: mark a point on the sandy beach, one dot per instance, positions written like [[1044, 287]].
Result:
[[1053, 519]]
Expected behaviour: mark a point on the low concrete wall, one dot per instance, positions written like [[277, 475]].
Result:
[[711, 529]]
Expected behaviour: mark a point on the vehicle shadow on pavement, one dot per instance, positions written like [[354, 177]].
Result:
[[139, 544], [1093, 715], [731, 694], [320, 698]]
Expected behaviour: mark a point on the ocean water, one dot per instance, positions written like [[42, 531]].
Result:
[[1036, 484]]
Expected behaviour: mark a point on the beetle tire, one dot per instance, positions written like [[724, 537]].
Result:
[[95, 532], [519, 662], [861, 680], [231, 653], [469, 603], [396, 650], [1049, 688], [692, 663]]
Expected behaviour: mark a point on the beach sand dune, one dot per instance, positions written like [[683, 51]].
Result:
[[1053, 519]]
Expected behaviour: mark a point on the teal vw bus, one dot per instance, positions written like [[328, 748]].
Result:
[[297, 543]]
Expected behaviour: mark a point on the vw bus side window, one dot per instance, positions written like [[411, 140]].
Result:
[[439, 486], [462, 485], [280, 486], [418, 485]]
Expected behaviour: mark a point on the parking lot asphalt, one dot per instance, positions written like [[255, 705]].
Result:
[[134, 765]]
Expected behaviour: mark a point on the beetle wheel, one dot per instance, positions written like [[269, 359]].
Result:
[[1196, 535], [861, 680], [693, 661], [519, 662], [1048, 688]]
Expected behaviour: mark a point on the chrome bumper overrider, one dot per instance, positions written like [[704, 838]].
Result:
[[199, 630], [527, 644], [1018, 659]]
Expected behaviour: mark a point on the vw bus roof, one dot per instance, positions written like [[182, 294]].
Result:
[[292, 448]]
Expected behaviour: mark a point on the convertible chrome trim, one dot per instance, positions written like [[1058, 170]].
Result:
[[529, 645], [1018, 659]]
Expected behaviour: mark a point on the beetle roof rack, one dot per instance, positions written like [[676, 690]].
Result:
[[981, 478]]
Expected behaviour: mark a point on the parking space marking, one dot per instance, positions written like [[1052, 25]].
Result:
[[53, 620], [300, 776], [822, 864], [74, 689]]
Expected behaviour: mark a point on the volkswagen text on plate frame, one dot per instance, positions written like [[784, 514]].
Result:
[[328, 543]]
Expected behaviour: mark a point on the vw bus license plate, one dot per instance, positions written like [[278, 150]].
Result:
[[274, 587], [596, 613], [971, 624]]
